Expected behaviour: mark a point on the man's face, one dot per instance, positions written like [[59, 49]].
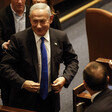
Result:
[[40, 21], [18, 5]]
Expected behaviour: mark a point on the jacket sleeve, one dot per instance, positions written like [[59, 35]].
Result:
[[70, 61], [8, 66]]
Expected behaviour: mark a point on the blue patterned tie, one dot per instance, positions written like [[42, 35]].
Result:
[[44, 71]]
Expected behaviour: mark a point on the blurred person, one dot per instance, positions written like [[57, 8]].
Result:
[[96, 80], [55, 23], [22, 65], [13, 18]]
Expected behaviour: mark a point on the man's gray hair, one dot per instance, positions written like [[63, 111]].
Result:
[[40, 6]]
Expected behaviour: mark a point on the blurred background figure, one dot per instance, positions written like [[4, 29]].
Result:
[[13, 18], [56, 23]]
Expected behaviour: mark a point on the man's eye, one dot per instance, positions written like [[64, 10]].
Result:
[[42, 21], [35, 21]]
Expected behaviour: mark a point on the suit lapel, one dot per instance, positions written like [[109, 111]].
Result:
[[33, 50], [53, 42], [10, 18], [27, 17], [52, 39]]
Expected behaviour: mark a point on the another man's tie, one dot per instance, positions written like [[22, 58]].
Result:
[[44, 71]]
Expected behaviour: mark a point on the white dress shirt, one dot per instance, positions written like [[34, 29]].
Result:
[[47, 44], [20, 23], [94, 95]]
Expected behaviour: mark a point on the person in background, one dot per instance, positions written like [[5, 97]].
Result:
[[13, 18], [22, 64], [96, 79], [56, 23]]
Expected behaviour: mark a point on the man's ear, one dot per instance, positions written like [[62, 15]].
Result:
[[51, 18]]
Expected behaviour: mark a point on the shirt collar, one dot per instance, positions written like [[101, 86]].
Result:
[[94, 95], [15, 12], [46, 36]]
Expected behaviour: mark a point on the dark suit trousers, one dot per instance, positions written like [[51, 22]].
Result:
[[45, 105], [40, 105]]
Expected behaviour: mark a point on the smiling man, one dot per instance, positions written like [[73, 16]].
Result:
[[28, 73]]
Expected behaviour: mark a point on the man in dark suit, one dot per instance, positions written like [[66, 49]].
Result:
[[13, 19], [10, 17], [21, 64], [96, 81]]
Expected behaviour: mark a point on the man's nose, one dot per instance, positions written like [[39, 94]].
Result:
[[39, 25], [19, 1]]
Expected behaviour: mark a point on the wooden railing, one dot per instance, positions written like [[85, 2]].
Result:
[[80, 96], [12, 109]]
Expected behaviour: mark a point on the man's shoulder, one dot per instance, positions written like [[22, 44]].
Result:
[[23, 33], [98, 107], [103, 98], [57, 31], [103, 95], [58, 34], [5, 11], [23, 36]]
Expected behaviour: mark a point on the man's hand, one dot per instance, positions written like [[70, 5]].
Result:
[[58, 84], [6, 44], [31, 86]]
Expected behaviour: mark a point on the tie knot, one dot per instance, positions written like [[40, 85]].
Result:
[[42, 38]]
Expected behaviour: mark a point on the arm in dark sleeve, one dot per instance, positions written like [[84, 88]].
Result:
[[71, 62], [9, 63]]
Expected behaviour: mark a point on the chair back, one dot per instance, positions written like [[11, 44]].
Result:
[[99, 33]]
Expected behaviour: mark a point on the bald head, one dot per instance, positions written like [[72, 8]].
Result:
[[95, 76]]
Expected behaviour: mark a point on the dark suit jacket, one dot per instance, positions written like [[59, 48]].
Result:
[[7, 28], [102, 102], [20, 63]]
